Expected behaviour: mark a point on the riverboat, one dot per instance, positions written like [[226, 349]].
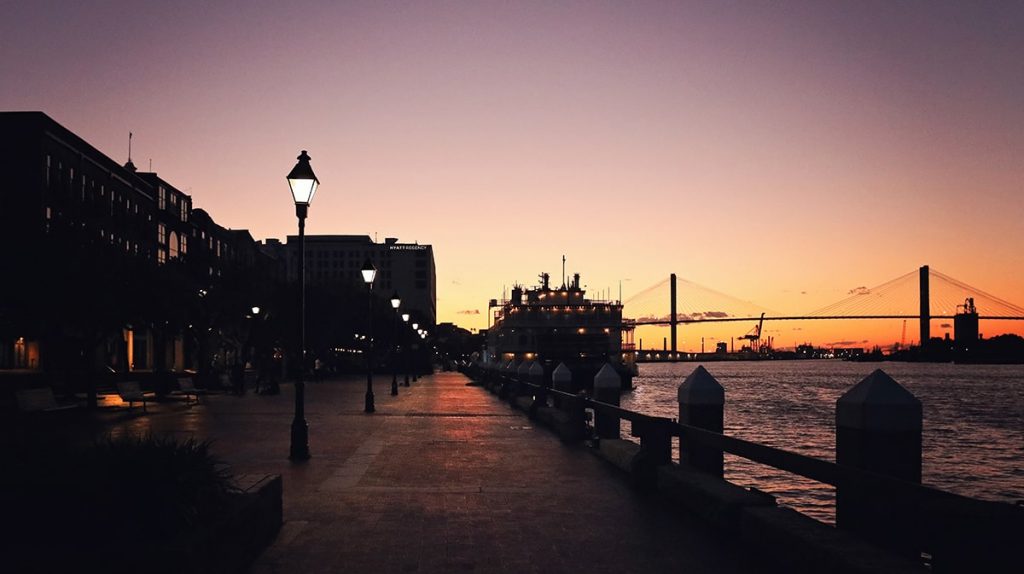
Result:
[[561, 325]]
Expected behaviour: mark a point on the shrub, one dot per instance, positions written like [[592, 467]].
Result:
[[118, 491]]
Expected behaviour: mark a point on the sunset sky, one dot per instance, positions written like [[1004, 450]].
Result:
[[781, 152]]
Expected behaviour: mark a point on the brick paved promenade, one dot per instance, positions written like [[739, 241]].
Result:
[[443, 478]]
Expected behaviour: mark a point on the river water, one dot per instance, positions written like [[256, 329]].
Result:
[[973, 442]]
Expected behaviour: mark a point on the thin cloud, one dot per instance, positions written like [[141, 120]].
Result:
[[698, 316], [846, 343]]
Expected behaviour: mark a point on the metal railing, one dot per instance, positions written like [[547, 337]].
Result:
[[949, 524]]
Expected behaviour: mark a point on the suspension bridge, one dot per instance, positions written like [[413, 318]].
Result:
[[921, 295]]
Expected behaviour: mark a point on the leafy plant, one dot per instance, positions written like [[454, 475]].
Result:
[[122, 490]]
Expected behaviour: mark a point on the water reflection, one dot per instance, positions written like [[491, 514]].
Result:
[[973, 421]]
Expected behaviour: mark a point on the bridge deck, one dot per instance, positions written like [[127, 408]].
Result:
[[442, 478], [639, 322]]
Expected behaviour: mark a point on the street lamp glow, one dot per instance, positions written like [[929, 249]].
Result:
[[396, 301], [416, 326], [303, 181], [405, 317], [255, 310], [369, 272]]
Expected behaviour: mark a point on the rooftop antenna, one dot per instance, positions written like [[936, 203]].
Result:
[[564, 278], [130, 166], [150, 165]]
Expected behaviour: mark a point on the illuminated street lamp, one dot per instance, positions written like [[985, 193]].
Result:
[[415, 376], [369, 274], [405, 355], [396, 302], [303, 183]]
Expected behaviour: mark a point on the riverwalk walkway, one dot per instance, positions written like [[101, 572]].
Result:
[[442, 478]]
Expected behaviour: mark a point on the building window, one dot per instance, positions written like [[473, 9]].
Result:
[[172, 243], [161, 198]]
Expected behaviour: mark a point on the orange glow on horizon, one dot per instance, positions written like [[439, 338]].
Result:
[[781, 156]]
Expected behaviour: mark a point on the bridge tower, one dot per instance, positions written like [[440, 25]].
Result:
[[926, 332], [674, 322]]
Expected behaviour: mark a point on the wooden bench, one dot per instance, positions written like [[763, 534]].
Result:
[[187, 388], [130, 393], [40, 400]]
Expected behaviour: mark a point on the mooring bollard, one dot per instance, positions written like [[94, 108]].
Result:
[[607, 387], [878, 429], [701, 404], [655, 450]]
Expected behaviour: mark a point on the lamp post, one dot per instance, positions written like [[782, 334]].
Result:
[[369, 273], [303, 184], [415, 377], [405, 354], [396, 302]]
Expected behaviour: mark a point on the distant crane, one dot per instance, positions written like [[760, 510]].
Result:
[[903, 337], [754, 335]]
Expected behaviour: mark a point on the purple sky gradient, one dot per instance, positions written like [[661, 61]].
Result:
[[762, 148]]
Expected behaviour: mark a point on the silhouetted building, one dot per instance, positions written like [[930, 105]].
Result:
[[404, 267], [104, 266]]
